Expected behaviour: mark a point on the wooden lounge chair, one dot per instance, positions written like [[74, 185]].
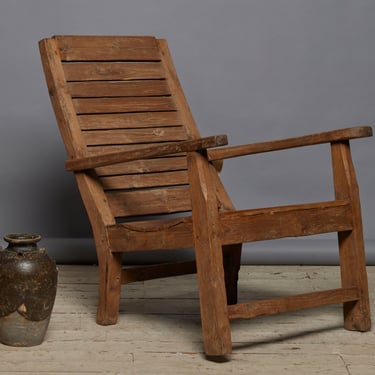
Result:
[[149, 182]]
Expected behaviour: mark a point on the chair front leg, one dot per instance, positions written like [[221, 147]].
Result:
[[209, 258]]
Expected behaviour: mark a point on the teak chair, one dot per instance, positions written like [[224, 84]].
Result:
[[139, 161]]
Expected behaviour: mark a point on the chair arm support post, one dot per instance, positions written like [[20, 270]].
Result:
[[307, 140]]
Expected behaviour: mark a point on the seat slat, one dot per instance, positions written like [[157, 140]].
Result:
[[118, 71], [144, 166], [129, 120], [145, 180], [92, 89], [149, 135], [149, 202], [123, 105]]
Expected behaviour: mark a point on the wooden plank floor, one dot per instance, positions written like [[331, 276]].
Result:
[[159, 330]]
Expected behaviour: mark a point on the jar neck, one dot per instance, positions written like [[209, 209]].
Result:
[[22, 241]]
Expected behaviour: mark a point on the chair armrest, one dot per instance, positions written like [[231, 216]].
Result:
[[96, 161], [307, 140]]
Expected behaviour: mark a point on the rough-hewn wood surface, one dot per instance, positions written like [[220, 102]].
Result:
[[96, 83], [159, 330]]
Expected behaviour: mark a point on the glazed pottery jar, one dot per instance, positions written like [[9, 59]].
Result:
[[28, 282]]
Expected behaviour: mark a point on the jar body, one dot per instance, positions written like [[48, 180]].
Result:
[[28, 284]]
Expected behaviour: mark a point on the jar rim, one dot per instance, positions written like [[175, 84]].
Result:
[[22, 238]]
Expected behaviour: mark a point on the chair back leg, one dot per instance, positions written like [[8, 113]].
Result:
[[232, 263], [110, 270], [351, 243]]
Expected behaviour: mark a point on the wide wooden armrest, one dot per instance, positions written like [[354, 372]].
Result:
[[307, 140], [145, 152]]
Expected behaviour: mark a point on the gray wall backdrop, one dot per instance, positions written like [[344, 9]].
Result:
[[254, 69]]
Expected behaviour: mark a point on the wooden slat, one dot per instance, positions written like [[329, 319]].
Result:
[[113, 71], [292, 303], [144, 166], [307, 140], [286, 221], [120, 105], [101, 48], [110, 54], [150, 235], [97, 151], [149, 202], [94, 89], [145, 180], [129, 120], [95, 41], [148, 135]]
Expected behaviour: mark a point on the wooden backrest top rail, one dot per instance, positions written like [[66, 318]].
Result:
[[108, 48]]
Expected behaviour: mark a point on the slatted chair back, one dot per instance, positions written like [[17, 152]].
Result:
[[122, 93]]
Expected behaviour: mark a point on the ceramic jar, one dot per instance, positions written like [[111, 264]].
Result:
[[28, 283]]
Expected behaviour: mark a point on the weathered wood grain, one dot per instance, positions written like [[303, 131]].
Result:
[[162, 234], [144, 152], [95, 89], [103, 71], [129, 120], [107, 48], [137, 136], [308, 140], [162, 164], [351, 243], [302, 220], [295, 302], [123, 104], [149, 201]]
